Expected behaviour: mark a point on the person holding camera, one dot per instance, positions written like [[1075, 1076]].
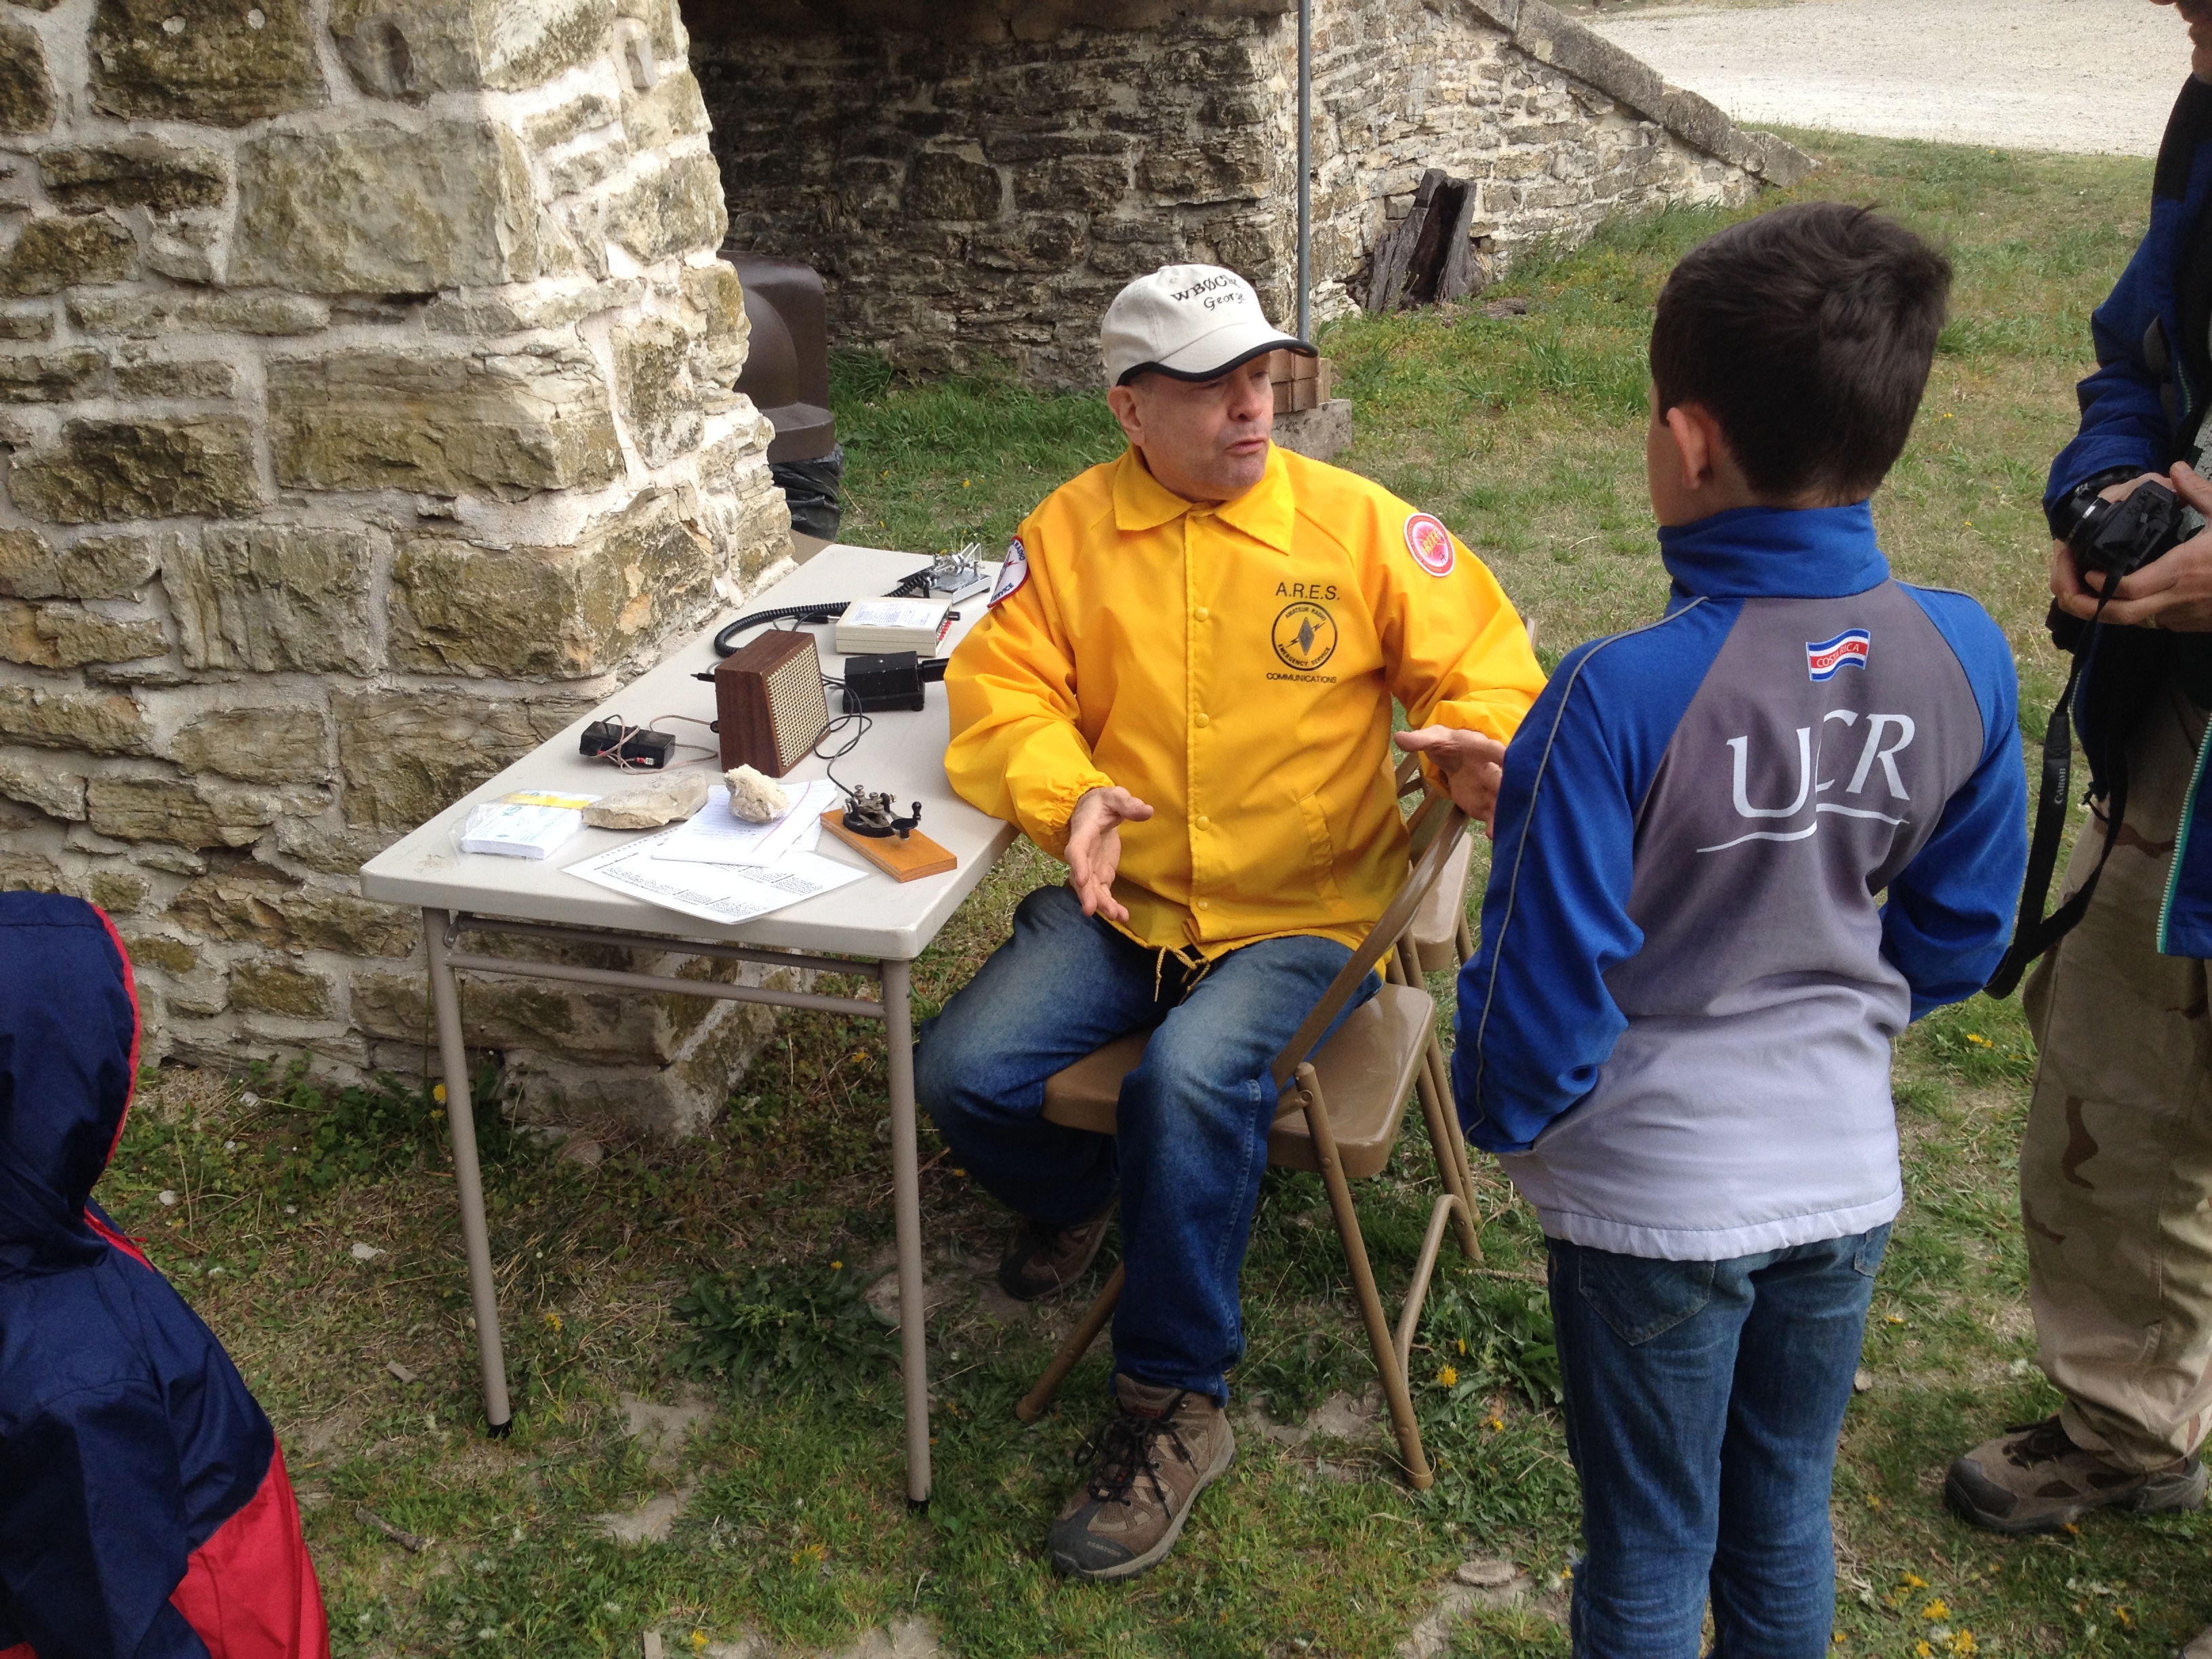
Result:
[[2116, 1166]]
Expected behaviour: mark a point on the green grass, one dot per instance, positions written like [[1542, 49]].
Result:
[[1525, 435]]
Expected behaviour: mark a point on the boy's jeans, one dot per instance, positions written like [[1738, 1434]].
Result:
[[1702, 1403], [1193, 1121]]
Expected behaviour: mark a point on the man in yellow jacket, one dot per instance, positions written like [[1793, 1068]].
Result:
[[1183, 688]]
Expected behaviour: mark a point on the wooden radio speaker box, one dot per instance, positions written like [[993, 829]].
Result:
[[768, 702]]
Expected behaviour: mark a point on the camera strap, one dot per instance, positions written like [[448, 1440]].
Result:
[[2034, 933]]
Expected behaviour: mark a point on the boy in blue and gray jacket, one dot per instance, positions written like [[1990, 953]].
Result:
[[1676, 1036]]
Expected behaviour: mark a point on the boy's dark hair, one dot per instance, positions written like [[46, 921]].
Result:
[[1807, 333]]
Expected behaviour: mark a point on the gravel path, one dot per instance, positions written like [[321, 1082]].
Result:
[[2092, 76]]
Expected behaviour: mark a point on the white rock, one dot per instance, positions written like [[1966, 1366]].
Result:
[[166, 1199], [365, 1252], [667, 798], [754, 798]]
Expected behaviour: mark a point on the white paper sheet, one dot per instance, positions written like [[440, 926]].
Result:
[[713, 836], [729, 893]]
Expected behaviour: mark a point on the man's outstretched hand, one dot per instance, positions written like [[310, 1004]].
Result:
[[1094, 848], [1472, 765]]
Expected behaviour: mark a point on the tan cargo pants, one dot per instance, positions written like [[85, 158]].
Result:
[[2116, 1167]]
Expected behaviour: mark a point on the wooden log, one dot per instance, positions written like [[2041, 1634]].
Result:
[[1394, 254], [1463, 273]]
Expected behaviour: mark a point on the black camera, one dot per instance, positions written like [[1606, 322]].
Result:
[[2119, 538]]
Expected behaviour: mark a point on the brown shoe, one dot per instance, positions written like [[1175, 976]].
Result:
[[1040, 1261], [2035, 1480], [1160, 1449]]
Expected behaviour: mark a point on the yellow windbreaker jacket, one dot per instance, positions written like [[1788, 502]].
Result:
[[1233, 666]]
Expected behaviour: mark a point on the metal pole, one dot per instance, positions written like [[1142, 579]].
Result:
[[461, 1119], [1305, 170], [905, 1184]]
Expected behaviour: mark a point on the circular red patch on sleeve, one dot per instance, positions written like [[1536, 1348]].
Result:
[[1430, 544]]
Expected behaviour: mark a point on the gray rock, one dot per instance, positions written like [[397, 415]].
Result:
[[557, 126], [673, 210], [207, 378], [666, 800], [653, 371], [183, 812], [92, 568], [26, 91], [288, 744], [51, 377], [26, 325], [410, 49], [507, 425], [381, 210], [670, 109], [406, 754], [53, 254], [271, 597], [225, 311], [56, 793], [139, 171], [515, 310], [228, 64], [282, 987], [105, 470], [69, 637], [335, 851], [941, 185]]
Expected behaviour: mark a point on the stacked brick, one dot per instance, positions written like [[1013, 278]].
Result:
[[976, 178], [366, 407]]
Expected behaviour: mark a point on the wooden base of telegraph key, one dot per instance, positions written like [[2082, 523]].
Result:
[[909, 859]]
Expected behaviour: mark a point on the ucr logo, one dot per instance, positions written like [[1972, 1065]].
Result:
[[1305, 636]]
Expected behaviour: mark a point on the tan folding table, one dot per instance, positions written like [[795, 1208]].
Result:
[[873, 928]]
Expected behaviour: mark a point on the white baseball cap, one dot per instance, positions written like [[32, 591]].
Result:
[[1192, 322]]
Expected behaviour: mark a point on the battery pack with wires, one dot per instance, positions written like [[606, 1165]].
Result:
[[627, 746]]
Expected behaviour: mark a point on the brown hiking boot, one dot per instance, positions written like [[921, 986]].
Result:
[[1161, 1448], [2035, 1480], [1041, 1259]]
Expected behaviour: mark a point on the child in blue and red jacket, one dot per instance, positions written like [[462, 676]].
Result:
[[1738, 850], [144, 1510]]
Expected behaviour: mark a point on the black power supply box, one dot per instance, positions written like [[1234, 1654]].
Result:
[[604, 740], [881, 681]]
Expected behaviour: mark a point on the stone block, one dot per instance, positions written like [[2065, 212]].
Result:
[[206, 377], [51, 377], [239, 907], [575, 174], [225, 311], [105, 723], [323, 920], [673, 210], [406, 754], [378, 210], [281, 744], [459, 608], [104, 471], [519, 309], [715, 293], [507, 425], [274, 597], [281, 988], [140, 171], [203, 996], [26, 91], [410, 49], [32, 872], [53, 254], [942, 185], [27, 325], [497, 1014], [1081, 184], [186, 812], [119, 892], [222, 62], [334, 852], [670, 109], [570, 120], [1036, 242], [660, 402], [92, 568], [69, 637], [58, 794], [149, 950]]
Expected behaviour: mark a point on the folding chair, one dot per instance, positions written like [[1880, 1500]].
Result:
[[1339, 1117]]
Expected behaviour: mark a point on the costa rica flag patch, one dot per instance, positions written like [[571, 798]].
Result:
[[1848, 649], [1430, 544], [1012, 574]]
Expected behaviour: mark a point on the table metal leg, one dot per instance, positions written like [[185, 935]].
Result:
[[460, 1118], [906, 1181]]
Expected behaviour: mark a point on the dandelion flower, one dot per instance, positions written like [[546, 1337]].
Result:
[[698, 1639], [1936, 1609], [438, 1093], [1447, 1377], [836, 1266], [553, 1323]]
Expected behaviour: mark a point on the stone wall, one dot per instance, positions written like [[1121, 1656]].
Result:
[[976, 180], [365, 402]]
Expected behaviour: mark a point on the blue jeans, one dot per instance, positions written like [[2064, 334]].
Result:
[[1702, 1403], [1194, 1116]]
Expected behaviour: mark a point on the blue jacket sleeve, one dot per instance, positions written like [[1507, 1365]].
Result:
[[91, 1541], [1949, 916]]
